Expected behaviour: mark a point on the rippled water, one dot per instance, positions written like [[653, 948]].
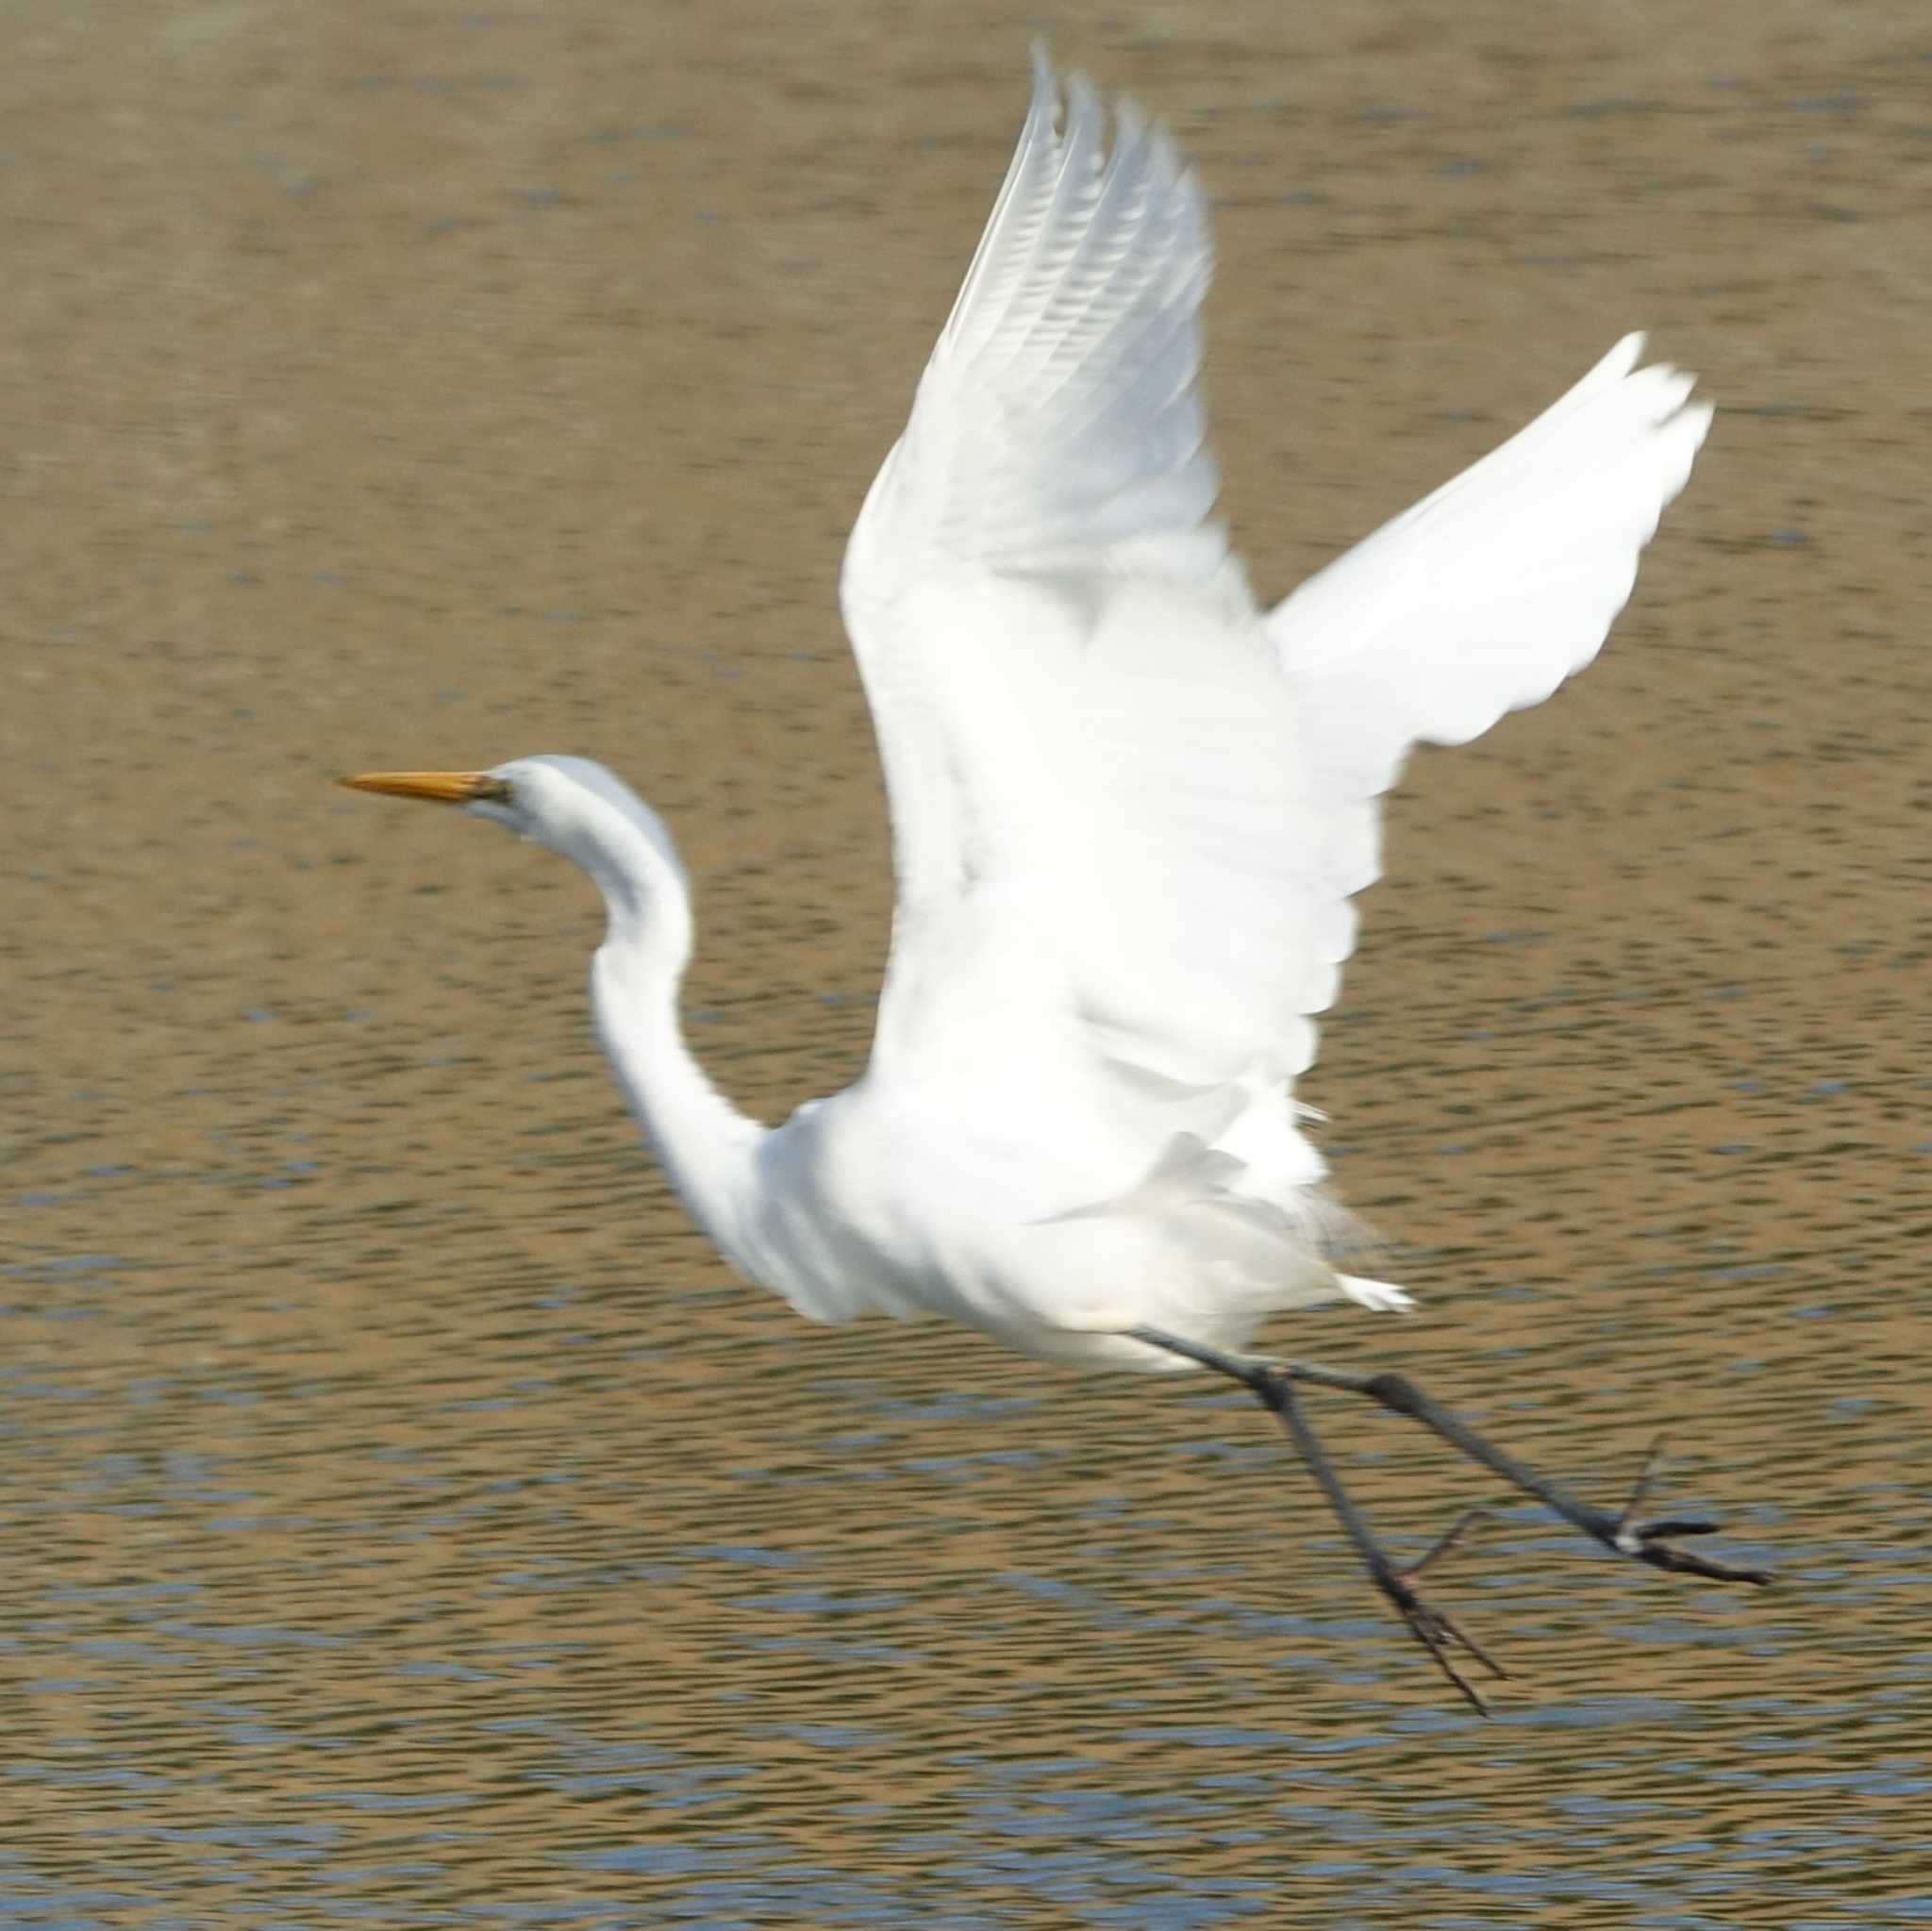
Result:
[[403, 1519]]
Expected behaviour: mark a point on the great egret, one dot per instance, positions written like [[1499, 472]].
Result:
[[1129, 811]]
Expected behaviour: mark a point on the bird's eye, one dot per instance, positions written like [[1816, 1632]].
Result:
[[496, 790]]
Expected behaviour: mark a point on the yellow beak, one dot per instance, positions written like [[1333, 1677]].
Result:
[[440, 787]]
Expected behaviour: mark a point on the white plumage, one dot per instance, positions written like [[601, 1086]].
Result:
[[1131, 808]]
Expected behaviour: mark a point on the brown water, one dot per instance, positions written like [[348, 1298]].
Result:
[[404, 1520]]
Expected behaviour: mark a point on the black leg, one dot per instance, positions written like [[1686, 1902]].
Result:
[[1437, 1632], [1274, 1384], [1621, 1534]]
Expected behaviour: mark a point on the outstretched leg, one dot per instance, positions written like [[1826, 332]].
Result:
[[1274, 1384], [1439, 1633]]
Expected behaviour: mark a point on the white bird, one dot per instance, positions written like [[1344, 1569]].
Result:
[[1130, 810]]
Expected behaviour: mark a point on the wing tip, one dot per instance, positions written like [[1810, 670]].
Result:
[[1692, 422], [1048, 81], [1624, 352], [1672, 384], [1084, 109], [1675, 424], [1043, 107]]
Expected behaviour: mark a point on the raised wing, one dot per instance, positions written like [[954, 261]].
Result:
[[1127, 814], [1486, 594], [1057, 425], [1098, 821]]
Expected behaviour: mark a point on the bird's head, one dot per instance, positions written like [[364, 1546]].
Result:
[[572, 806]]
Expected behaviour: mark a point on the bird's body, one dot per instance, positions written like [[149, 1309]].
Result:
[[1130, 805], [1016, 1193]]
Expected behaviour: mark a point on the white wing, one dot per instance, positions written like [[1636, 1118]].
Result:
[[1128, 813], [1486, 594]]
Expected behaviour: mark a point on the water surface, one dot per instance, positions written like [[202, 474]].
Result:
[[404, 1520]]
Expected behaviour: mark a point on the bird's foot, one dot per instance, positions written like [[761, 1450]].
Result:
[[1622, 1534], [1655, 1542], [1275, 1383], [1435, 1629]]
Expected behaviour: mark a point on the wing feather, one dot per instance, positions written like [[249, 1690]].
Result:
[[1128, 811], [1487, 593], [1057, 417]]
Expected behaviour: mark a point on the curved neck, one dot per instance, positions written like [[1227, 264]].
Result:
[[707, 1147]]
